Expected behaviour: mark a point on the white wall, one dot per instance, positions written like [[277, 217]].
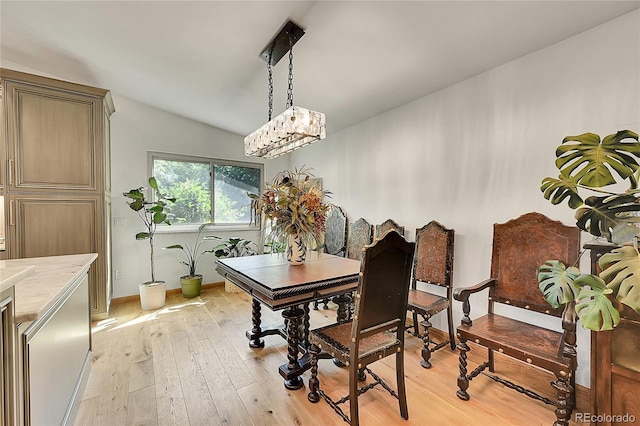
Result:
[[136, 129], [474, 154]]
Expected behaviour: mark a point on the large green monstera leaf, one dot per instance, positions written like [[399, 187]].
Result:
[[556, 282], [595, 309], [588, 161], [619, 282], [621, 270], [602, 215], [556, 190]]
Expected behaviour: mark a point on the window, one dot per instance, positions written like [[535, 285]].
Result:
[[207, 189]]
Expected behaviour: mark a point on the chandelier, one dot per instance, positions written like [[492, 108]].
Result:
[[296, 126]]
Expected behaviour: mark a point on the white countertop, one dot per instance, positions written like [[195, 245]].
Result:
[[43, 281], [11, 273]]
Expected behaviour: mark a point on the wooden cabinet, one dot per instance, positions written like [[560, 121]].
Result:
[[615, 364], [57, 180], [7, 353]]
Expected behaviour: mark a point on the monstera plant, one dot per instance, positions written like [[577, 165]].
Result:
[[589, 164]]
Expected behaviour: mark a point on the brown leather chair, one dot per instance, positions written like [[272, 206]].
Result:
[[360, 235], [520, 246], [335, 239], [432, 266], [376, 330], [386, 226]]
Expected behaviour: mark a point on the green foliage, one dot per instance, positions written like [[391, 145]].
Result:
[[235, 247], [587, 163], [151, 213], [192, 252], [596, 309], [556, 282]]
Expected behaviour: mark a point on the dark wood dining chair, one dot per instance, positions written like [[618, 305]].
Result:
[[520, 246], [433, 267], [386, 226], [360, 235], [335, 239], [376, 330]]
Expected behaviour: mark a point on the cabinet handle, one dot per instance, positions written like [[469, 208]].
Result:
[[11, 212], [10, 172]]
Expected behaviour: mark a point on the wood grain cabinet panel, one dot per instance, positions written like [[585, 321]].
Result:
[[57, 180]]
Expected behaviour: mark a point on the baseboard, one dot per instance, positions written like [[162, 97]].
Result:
[[583, 393], [136, 297]]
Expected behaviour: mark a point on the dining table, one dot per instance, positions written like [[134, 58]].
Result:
[[271, 281]]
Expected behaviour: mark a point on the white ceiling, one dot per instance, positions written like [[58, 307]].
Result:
[[199, 59]]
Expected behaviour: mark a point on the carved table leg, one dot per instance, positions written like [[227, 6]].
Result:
[[307, 323], [292, 316], [463, 380], [343, 301], [256, 342]]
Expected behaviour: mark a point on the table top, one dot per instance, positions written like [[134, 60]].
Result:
[[270, 278]]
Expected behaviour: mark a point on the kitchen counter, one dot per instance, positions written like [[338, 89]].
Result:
[[41, 281], [11, 273]]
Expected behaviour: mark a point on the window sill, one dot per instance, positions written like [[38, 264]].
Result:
[[181, 229]]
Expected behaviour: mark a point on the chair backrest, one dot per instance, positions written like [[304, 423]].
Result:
[[335, 235], [520, 246], [360, 235], [433, 259], [386, 226], [384, 284]]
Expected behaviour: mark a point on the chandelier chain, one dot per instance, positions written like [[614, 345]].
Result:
[[290, 86], [270, 88]]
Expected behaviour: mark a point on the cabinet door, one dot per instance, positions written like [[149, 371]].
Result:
[[54, 138], [50, 225]]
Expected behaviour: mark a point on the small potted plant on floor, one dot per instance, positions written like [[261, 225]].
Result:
[[152, 213], [192, 284]]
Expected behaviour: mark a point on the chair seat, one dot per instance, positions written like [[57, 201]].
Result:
[[526, 342], [423, 302], [335, 340]]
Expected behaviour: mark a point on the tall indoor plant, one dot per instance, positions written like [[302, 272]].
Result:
[[152, 213], [587, 163], [294, 207]]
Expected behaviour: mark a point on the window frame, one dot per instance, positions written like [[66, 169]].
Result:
[[153, 155]]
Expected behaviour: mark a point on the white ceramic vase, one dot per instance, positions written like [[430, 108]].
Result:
[[296, 250]]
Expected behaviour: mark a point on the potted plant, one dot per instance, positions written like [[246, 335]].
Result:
[[588, 164], [296, 213], [192, 283], [152, 213], [234, 247]]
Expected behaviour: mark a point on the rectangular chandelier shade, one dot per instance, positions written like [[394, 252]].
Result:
[[293, 129]]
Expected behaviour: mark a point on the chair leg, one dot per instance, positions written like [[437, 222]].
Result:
[[315, 305], [426, 340], [491, 361], [353, 394], [563, 402], [402, 393], [452, 335], [463, 380], [326, 303], [314, 383], [416, 326]]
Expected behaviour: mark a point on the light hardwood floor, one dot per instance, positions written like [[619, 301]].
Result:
[[189, 363]]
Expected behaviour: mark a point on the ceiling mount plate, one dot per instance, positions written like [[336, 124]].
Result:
[[288, 35]]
